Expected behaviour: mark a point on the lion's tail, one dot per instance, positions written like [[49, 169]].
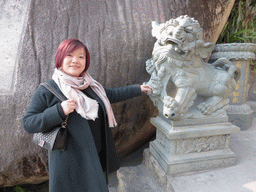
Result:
[[228, 66]]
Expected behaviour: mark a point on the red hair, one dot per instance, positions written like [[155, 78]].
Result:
[[67, 47]]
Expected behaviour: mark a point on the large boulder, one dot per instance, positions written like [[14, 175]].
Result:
[[118, 35]]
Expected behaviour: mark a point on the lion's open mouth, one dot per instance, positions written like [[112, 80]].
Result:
[[175, 43]]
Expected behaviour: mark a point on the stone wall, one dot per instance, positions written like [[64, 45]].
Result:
[[118, 35]]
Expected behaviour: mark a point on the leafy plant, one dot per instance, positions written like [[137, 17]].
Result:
[[241, 24], [19, 189], [43, 187], [246, 35]]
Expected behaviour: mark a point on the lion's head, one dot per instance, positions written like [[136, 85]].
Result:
[[181, 38]]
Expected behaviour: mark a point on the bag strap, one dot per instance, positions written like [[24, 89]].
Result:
[[51, 89]]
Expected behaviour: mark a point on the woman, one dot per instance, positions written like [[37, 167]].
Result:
[[90, 146]]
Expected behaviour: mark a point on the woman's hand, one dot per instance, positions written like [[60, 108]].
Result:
[[68, 106], [145, 88]]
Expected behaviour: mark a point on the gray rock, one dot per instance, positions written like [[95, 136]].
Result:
[[137, 179]]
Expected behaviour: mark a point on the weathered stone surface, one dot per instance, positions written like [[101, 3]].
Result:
[[29, 169], [12, 17], [134, 127], [137, 178], [146, 177], [251, 87], [118, 35]]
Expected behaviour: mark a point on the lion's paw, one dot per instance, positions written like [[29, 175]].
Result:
[[212, 104], [171, 108], [205, 108]]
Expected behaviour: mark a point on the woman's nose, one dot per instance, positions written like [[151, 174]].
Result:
[[74, 60]]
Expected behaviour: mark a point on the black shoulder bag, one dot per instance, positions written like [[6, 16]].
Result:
[[56, 138]]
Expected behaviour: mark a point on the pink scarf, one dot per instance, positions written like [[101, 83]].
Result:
[[88, 108]]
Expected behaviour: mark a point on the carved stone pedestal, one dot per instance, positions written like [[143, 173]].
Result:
[[184, 148]]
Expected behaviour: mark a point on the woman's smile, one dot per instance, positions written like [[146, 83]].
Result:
[[74, 66]]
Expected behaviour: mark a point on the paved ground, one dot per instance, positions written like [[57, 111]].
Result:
[[238, 178]]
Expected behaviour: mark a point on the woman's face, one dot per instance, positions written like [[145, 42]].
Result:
[[74, 63]]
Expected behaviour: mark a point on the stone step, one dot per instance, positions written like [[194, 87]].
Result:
[[145, 177], [137, 179]]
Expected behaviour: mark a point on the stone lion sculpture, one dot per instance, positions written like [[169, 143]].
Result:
[[177, 60]]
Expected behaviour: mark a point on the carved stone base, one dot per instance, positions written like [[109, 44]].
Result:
[[240, 115], [189, 148]]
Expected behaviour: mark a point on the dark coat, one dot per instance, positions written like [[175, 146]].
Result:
[[78, 168]]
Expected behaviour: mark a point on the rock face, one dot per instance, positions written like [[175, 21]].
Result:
[[118, 36]]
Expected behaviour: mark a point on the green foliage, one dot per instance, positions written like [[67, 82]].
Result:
[[19, 189], [241, 24], [240, 36], [43, 187]]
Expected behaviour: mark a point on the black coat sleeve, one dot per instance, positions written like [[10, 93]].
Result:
[[123, 93], [44, 112]]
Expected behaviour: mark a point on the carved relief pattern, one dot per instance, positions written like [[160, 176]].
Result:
[[201, 144]]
